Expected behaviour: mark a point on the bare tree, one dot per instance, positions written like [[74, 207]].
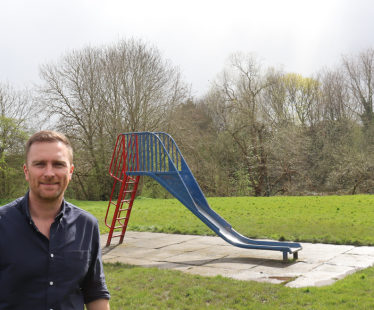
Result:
[[142, 86], [98, 92], [335, 96], [359, 70], [353, 171], [237, 102], [293, 99], [16, 115]]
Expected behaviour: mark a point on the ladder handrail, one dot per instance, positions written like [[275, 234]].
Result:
[[117, 169]]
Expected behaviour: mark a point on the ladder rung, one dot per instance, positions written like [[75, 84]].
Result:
[[118, 179], [115, 203], [124, 209], [115, 227], [128, 191], [121, 218]]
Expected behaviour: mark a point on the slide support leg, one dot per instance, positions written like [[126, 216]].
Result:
[[285, 257]]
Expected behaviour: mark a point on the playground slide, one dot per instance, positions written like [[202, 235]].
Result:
[[157, 155]]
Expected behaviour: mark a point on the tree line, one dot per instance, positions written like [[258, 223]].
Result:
[[257, 131]]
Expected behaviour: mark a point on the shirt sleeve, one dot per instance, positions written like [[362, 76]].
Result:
[[93, 285]]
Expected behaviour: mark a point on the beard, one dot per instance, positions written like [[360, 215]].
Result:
[[51, 196]]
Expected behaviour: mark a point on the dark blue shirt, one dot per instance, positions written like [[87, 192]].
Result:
[[64, 272]]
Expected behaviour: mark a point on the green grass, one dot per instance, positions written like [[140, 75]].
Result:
[[149, 288], [328, 219], [332, 219]]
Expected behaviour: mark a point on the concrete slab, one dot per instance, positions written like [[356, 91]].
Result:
[[318, 264], [249, 275], [103, 239], [154, 243], [129, 260], [237, 263], [210, 240], [155, 254], [361, 261], [221, 250], [186, 247], [305, 282], [333, 271], [362, 250], [107, 258], [275, 268], [144, 235], [320, 253], [263, 254], [179, 238], [212, 272], [193, 258], [130, 252], [164, 265], [324, 274]]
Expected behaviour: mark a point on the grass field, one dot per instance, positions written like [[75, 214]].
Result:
[[331, 219], [327, 219], [150, 288]]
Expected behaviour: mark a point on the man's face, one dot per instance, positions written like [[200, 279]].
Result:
[[48, 169]]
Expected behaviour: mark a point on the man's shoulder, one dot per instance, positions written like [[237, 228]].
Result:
[[77, 212], [11, 207]]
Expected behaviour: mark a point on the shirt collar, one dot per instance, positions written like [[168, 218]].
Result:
[[25, 207]]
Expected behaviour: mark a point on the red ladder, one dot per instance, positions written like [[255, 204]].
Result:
[[123, 159]]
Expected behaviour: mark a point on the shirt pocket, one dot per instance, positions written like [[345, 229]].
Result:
[[76, 264]]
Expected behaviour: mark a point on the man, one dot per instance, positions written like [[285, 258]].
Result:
[[50, 256]]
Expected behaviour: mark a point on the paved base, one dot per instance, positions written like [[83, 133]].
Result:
[[318, 264]]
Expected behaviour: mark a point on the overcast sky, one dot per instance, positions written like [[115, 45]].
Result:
[[196, 35]]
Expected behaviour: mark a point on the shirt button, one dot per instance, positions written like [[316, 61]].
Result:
[[51, 283], [52, 255]]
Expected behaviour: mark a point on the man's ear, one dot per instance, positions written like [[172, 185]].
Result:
[[26, 172], [71, 171]]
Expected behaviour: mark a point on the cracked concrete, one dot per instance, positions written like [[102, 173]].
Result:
[[318, 264]]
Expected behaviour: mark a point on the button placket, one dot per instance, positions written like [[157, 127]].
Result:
[[53, 276]]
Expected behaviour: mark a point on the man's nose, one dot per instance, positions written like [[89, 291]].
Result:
[[49, 171]]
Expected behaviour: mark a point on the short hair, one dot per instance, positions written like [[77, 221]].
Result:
[[49, 136]]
